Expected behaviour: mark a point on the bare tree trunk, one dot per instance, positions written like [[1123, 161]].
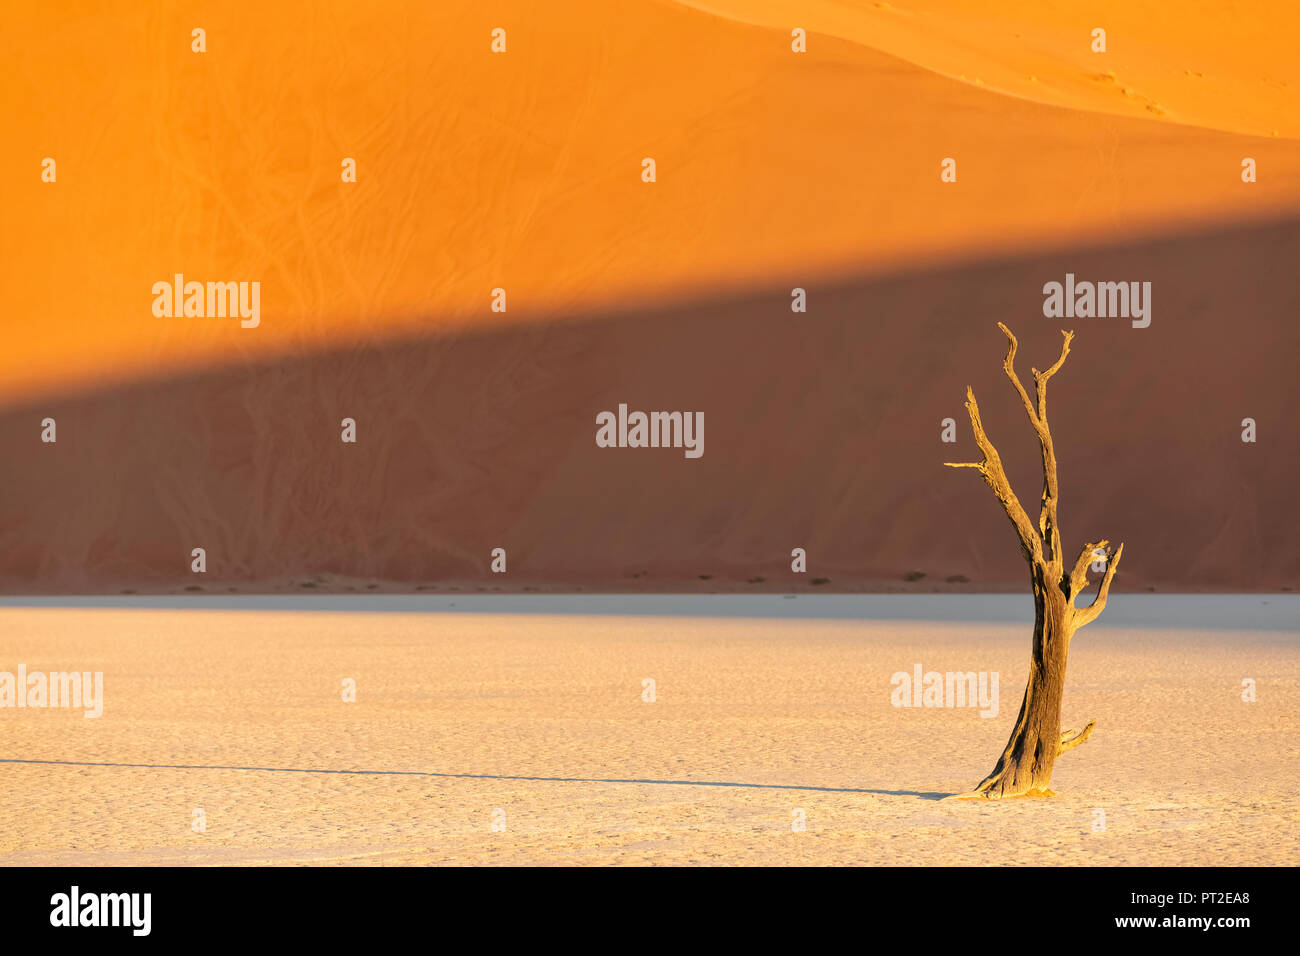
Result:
[[1025, 767]]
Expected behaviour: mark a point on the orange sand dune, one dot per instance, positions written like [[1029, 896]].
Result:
[[822, 431], [1214, 64], [522, 171]]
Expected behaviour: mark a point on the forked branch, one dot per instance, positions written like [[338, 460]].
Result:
[[1092, 551], [1089, 614], [1039, 545], [1040, 378], [1048, 528]]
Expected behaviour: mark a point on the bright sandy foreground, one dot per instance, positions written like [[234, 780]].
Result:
[[541, 715]]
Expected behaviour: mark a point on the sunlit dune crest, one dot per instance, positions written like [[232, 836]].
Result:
[[1204, 65]]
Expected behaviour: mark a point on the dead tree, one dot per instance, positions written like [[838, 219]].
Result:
[[1025, 767]]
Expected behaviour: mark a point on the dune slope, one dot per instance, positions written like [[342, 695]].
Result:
[[822, 431], [521, 170]]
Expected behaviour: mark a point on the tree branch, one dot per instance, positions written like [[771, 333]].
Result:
[[1040, 378], [1089, 614], [1079, 576], [1008, 366], [1048, 523], [1072, 738], [995, 477]]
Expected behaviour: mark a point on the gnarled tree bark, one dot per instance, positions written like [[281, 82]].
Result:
[[1025, 767]]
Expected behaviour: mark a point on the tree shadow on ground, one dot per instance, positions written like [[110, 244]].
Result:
[[924, 795]]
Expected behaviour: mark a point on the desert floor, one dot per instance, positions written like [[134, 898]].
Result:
[[464, 711]]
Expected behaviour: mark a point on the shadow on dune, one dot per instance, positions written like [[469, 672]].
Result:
[[822, 432], [479, 776]]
